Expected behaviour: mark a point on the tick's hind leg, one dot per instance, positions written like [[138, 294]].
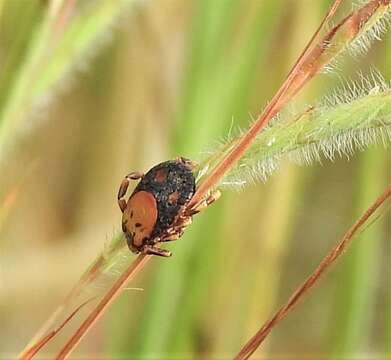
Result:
[[173, 237], [177, 230], [124, 187], [203, 204]]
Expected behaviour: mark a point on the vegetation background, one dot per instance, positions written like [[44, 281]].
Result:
[[139, 82]]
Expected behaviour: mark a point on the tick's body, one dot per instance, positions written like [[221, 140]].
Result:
[[157, 209], [172, 185]]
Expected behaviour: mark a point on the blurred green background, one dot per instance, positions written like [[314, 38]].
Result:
[[91, 90]]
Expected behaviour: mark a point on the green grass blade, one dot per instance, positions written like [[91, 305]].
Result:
[[53, 53]]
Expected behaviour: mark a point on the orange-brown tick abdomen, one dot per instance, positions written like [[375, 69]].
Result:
[[140, 217]]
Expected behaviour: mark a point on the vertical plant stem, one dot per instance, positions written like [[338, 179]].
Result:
[[387, 333]]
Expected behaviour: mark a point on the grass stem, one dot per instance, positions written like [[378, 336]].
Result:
[[294, 80], [253, 344], [109, 297]]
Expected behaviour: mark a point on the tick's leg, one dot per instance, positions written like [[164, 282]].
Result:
[[152, 250], [177, 230], [188, 162], [173, 237], [203, 204], [181, 223], [124, 187]]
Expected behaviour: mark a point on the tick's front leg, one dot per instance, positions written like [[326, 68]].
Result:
[[124, 187], [154, 250], [193, 165]]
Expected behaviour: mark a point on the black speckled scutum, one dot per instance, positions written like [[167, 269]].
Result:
[[179, 178]]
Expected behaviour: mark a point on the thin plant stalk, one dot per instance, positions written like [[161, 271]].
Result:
[[279, 100], [93, 272], [253, 344], [110, 296], [355, 302], [32, 351], [316, 56]]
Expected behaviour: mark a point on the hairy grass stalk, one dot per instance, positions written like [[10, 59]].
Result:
[[318, 54], [318, 133]]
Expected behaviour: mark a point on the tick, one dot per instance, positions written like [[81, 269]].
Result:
[[157, 211]]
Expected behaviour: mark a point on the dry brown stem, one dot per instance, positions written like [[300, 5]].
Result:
[[109, 297], [30, 352], [253, 344]]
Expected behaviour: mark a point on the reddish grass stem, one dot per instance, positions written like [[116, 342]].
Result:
[[32, 351], [109, 297], [303, 70], [253, 344], [37, 340], [313, 59]]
